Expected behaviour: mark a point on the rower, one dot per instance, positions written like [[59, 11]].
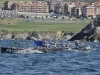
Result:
[[47, 45], [29, 48], [76, 43], [12, 48], [21, 48], [89, 43], [55, 46], [65, 46]]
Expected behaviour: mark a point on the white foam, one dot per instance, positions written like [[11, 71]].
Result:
[[96, 41], [26, 51], [88, 48]]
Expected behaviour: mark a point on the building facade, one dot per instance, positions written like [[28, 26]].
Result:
[[77, 11], [92, 10], [58, 7], [97, 10], [89, 11], [8, 4], [22, 6], [36, 7], [70, 8]]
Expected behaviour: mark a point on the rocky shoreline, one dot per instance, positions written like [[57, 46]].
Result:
[[35, 35], [89, 33]]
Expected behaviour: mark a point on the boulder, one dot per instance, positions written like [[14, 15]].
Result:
[[97, 33], [47, 35], [90, 32], [67, 37], [22, 36], [8, 36], [60, 34]]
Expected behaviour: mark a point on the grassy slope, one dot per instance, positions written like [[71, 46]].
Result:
[[40, 27]]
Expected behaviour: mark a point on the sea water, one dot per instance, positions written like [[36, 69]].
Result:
[[67, 62]]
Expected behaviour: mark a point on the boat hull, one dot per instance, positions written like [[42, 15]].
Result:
[[8, 50]]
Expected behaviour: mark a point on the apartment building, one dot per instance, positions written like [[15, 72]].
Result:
[[81, 4], [88, 10], [91, 10], [8, 4], [22, 6], [70, 8], [58, 7], [36, 7], [52, 5], [97, 2], [73, 8], [97, 10], [77, 11]]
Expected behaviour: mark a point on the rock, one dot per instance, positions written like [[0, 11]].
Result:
[[60, 34], [8, 36], [90, 32], [33, 38], [22, 36], [97, 31], [35, 35], [67, 37], [47, 35]]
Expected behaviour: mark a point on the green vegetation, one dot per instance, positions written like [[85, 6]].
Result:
[[6, 20], [43, 27]]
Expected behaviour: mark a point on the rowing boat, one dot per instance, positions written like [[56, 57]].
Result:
[[9, 50], [40, 50]]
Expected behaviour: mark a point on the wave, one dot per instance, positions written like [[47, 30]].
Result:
[[26, 51]]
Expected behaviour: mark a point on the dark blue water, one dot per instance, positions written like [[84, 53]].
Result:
[[69, 62]]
